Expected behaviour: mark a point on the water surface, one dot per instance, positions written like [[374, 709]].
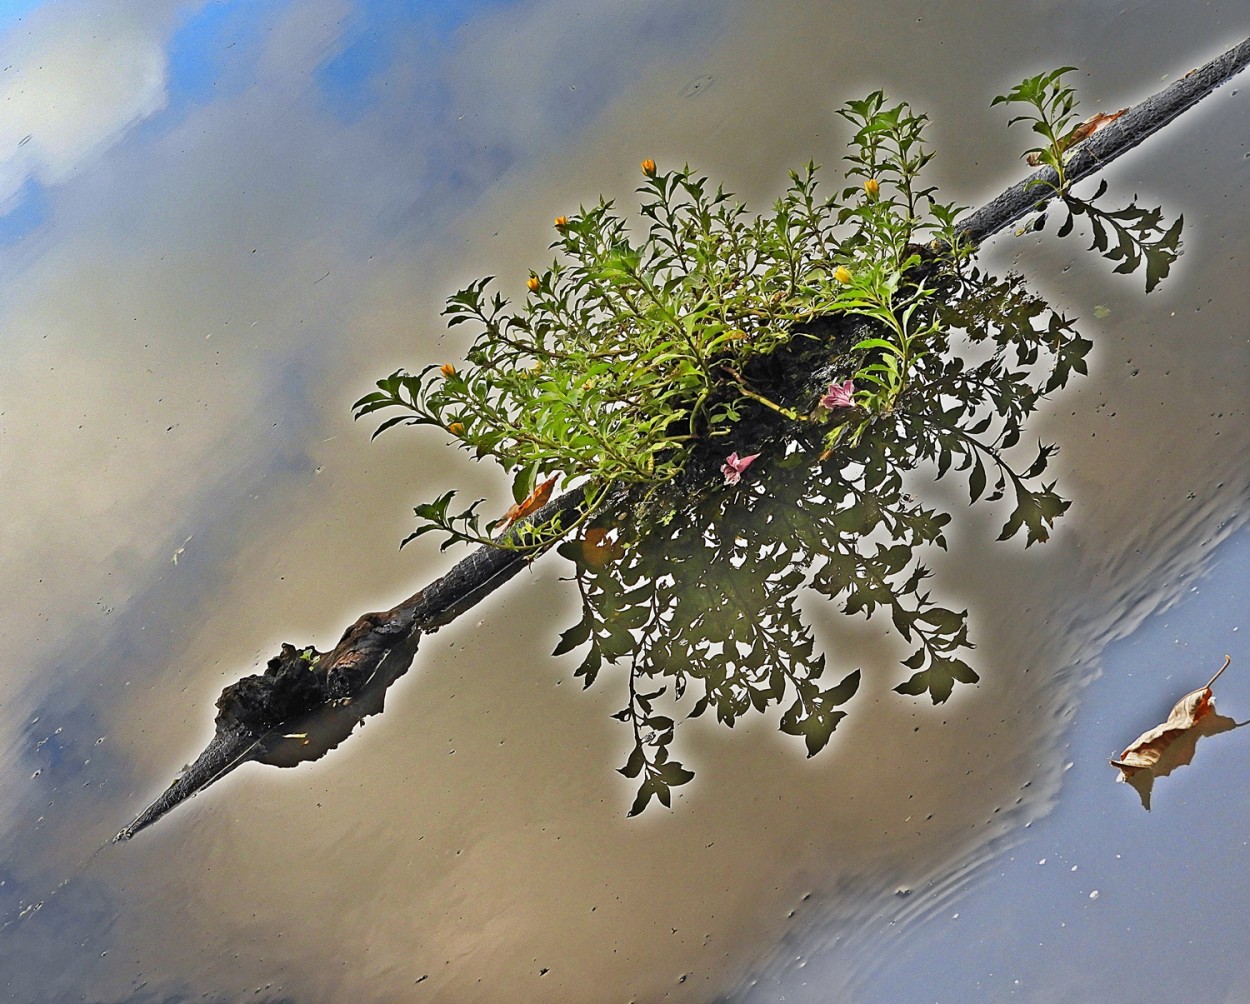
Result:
[[273, 205]]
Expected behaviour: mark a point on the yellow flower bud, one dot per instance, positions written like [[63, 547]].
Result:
[[562, 222], [648, 167], [448, 370], [532, 283], [873, 187], [842, 274], [456, 428]]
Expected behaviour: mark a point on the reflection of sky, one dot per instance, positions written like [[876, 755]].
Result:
[[15, 10], [228, 219], [1115, 903], [214, 51], [1100, 899]]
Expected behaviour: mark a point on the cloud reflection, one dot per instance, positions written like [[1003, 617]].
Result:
[[184, 333], [74, 80]]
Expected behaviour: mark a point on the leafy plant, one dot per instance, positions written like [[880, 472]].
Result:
[[697, 595], [1054, 110], [747, 403], [625, 354], [1140, 235]]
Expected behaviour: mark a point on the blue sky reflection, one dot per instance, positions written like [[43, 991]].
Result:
[[231, 217]]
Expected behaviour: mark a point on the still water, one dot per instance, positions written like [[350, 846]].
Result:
[[222, 222]]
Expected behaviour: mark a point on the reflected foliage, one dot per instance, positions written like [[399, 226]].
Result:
[[752, 407], [696, 595], [1131, 237]]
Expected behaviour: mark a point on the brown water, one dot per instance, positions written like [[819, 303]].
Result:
[[183, 341]]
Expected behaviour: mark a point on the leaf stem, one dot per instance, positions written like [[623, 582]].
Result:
[[1227, 660]]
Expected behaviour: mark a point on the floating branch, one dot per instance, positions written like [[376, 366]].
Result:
[[308, 701], [258, 714]]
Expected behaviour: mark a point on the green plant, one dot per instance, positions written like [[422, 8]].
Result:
[[1054, 110], [625, 353], [698, 601], [638, 369], [1140, 235]]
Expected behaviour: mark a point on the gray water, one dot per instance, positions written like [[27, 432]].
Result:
[[258, 213]]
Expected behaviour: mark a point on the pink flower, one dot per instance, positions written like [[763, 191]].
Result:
[[734, 467], [838, 396]]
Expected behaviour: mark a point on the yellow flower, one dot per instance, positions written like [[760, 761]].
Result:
[[448, 370], [456, 428], [562, 222], [873, 187], [532, 283], [648, 167], [842, 274]]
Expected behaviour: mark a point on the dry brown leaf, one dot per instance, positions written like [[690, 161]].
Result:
[[1079, 133], [536, 499], [598, 549], [1144, 753]]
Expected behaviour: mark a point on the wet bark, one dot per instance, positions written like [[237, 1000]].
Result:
[[306, 701]]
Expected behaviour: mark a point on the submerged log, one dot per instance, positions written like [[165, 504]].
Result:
[[306, 701]]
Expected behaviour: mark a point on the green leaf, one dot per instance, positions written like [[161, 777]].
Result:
[[523, 483]]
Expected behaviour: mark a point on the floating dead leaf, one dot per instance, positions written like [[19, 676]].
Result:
[[534, 501], [1079, 134], [1161, 750]]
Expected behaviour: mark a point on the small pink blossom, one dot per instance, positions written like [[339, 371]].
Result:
[[838, 396], [734, 466]]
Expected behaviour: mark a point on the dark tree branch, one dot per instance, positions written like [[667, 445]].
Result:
[[267, 718], [258, 716]]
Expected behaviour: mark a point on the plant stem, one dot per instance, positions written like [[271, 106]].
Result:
[[746, 391]]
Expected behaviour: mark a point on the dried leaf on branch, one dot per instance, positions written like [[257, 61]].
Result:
[[1082, 132], [536, 499]]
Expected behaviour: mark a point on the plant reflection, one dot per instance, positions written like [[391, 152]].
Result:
[[698, 591], [694, 588], [1132, 236]]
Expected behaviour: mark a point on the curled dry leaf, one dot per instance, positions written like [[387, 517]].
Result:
[[1145, 753], [536, 499], [1079, 134]]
